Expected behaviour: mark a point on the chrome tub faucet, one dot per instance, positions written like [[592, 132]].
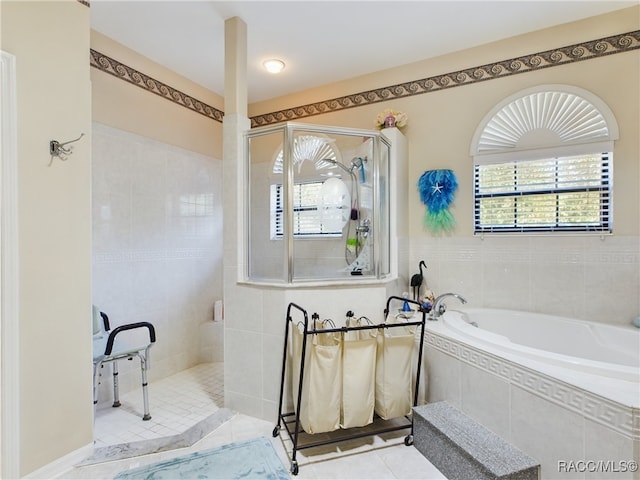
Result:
[[439, 307]]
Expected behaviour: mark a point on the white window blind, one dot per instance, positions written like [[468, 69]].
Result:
[[306, 216], [556, 194]]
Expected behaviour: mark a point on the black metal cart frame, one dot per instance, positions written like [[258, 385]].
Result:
[[291, 420]]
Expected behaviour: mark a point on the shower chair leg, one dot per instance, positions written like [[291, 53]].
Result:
[[116, 387], [145, 393], [96, 381]]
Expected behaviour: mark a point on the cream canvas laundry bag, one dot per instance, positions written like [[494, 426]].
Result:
[[393, 395], [358, 375], [321, 388]]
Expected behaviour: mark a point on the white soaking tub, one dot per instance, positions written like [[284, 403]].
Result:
[[558, 388], [580, 352]]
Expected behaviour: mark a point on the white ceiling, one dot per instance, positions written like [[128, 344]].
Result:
[[322, 41]]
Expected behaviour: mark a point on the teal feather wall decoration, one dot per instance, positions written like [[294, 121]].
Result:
[[437, 189]]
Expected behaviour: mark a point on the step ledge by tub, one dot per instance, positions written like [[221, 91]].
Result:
[[490, 455]]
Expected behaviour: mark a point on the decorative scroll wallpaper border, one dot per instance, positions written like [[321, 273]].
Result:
[[528, 63], [611, 414], [128, 74], [551, 58]]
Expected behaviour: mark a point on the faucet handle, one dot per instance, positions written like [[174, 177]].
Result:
[[439, 307]]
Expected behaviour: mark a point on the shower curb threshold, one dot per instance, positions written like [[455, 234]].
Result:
[[146, 447]]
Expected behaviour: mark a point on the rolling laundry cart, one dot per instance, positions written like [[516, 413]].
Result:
[[322, 401]]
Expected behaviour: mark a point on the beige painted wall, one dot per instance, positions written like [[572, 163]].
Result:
[[442, 123], [128, 107], [563, 275], [51, 41], [54, 217]]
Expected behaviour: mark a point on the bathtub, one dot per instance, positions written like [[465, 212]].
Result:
[[601, 358], [555, 387]]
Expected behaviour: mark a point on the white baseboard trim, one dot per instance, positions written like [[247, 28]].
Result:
[[62, 464]]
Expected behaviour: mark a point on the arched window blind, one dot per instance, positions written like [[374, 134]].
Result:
[[306, 216], [543, 162]]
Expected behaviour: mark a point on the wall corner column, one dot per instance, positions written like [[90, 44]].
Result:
[[234, 125]]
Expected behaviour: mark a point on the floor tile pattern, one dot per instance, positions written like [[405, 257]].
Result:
[[175, 403], [197, 392]]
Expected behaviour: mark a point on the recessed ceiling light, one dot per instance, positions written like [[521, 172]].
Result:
[[274, 65]]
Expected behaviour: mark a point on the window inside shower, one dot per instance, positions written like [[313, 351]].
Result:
[[317, 204]]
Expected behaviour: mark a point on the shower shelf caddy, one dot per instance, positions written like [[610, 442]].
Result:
[[291, 420]]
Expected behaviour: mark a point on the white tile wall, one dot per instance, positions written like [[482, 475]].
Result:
[[535, 431], [603, 444], [211, 342], [485, 397], [590, 278], [157, 247]]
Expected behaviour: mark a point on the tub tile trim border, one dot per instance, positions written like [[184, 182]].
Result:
[[613, 415]]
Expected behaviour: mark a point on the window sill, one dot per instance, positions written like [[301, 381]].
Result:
[[302, 284]]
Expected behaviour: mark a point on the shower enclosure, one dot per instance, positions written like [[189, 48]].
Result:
[[317, 204]]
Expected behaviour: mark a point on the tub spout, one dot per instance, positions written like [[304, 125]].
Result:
[[439, 307]]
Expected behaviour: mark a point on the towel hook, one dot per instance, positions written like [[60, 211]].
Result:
[[57, 149]]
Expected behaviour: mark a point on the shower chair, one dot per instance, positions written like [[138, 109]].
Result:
[[122, 342]]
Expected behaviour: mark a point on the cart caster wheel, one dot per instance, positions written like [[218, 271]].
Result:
[[276, 431], [408, 440], [294, 468]]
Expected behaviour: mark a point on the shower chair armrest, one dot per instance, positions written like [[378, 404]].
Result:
[[130, 326], [105, 321]]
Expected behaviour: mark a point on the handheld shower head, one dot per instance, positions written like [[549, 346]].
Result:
[[358, 162]]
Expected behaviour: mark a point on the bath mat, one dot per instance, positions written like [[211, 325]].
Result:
[[251, 459]]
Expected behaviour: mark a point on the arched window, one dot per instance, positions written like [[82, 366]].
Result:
[[311, 153], [543, 161]]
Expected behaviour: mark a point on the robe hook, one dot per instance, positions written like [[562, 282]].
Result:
[[57, 149]]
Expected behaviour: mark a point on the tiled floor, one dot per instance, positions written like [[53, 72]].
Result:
[[197, 392], [175, 403]]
